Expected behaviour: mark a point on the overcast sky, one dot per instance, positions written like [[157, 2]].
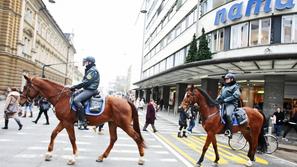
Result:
[[103, 29]]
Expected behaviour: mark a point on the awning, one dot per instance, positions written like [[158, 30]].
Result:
[[248, 67]]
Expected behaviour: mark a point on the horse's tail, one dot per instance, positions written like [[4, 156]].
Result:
[[136, 121], [261, 140]]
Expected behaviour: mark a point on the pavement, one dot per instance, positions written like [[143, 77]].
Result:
[[26, 148]]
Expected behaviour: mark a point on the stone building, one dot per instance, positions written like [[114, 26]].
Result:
[[29, 39]]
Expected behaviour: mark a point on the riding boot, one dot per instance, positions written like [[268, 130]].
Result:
[[82, 123], [184, 134], [5, 124], [228, 131]]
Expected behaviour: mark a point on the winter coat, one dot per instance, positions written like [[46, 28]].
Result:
[[150, 114]]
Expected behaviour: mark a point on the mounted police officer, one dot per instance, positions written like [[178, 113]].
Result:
[[229, 98], [89, 84]]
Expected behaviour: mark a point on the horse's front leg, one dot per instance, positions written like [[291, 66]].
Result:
[[58, 129], [215, 147], [71, 134], [205, 147]]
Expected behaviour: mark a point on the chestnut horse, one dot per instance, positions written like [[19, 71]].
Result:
[[211, 122], [118, 112]]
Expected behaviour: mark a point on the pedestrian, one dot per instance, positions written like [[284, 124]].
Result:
[[100, 129], [182, 121], [28, 107], [150, 116], [194, 111], [141, 104], [279, 117], [44, 106], [291, 124], [11, 107], [161, 103]]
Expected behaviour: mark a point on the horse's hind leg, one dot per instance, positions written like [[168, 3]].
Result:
[[113, 138], [247, 136], [135, 136], [71, 134], [54, 134]]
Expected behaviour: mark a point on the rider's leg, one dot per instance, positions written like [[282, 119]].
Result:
[[229, 110], [84, 95]]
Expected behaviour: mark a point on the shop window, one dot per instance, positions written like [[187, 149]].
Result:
[[260, 32], [239, 36], [218, 40]]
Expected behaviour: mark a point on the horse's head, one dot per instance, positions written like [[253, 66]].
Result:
[[29, 92], [188, 99]]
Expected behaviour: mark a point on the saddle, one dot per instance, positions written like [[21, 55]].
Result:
[[93, 106], [239, 116]]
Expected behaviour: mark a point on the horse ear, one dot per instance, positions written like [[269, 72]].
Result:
[[27, 78]]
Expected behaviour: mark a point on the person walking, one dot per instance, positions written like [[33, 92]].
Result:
[[182, 121], [194, 111], [291, 124], [141, 104], [44, 106], [150, 116], [28, 107], [11, 108], [279, 117]]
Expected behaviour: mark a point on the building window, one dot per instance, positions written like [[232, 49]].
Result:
[[260, 32], [239, 36], [218, 40], [169, 62], [203, 6], [289, 29], [179, 57], [163, 65]]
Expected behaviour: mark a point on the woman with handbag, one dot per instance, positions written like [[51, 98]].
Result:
[[11, 108]]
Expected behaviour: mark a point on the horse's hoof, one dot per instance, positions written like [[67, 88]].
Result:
[[249, 163], [48, 156], [141, 160], [71, 162], [100, 159], [197, 165], [215, 164]]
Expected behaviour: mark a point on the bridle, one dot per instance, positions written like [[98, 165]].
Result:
[[29, 99], [26, 96]]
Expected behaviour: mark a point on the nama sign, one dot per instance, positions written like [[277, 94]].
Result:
[[235, 12]]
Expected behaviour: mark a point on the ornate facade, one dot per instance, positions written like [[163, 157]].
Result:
[[29, 39]]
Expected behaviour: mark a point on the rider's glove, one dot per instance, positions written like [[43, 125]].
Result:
[[220, 101]]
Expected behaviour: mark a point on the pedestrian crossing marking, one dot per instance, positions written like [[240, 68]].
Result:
[[210, 155], [176, 148], [241, 153]]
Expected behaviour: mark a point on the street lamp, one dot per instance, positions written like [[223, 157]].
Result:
[[48, 65]]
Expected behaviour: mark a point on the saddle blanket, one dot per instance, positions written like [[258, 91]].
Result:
[[93, 107], [239, 116]]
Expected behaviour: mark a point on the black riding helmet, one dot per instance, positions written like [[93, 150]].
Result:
[[89, 59]]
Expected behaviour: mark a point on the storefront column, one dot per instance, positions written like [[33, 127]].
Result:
[[273, 93], [141, 92], [165, 96], [155, 93], [147, 95], [180, 94], [210, 86]]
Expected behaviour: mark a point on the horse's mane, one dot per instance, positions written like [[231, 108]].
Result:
[[55, 84], [210, 101]]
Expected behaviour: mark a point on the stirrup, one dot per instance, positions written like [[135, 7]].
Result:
[[228, 133]]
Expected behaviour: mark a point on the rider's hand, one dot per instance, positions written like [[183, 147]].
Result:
[[70, 87], [220, 101]]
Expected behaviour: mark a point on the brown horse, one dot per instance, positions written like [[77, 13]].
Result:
[[118, 112], [211, 122]]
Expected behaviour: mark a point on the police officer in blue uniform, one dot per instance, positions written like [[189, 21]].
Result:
[[229, 98], [89, 84]]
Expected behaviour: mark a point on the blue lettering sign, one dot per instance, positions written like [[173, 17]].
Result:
[[220, 16], [280, 6], [235, 11], [258, 6]]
